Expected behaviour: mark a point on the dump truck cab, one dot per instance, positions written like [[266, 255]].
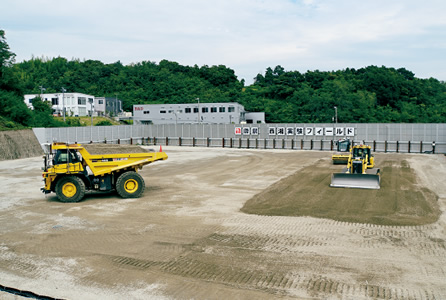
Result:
[[70, 171]]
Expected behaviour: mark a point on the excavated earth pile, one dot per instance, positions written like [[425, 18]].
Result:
[[400, 201], [114, 149], [19, 144]]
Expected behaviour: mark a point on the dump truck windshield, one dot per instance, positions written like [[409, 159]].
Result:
[[62, 157]]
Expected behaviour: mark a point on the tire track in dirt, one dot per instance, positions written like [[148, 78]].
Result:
[[288, 235], [283, 283]]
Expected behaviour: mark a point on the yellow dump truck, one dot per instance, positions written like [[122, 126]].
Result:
[[70, 170]]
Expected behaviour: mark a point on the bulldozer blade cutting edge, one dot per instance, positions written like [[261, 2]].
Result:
[[357, 181]]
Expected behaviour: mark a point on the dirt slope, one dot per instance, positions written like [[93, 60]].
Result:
[[19, 144]]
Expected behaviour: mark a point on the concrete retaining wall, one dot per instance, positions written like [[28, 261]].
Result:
[[19, 144]]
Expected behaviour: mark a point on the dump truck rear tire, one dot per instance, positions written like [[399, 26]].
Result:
[[70, 189], [130, 185]]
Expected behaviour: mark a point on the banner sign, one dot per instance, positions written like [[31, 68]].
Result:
[[316, 131], [299, 131]]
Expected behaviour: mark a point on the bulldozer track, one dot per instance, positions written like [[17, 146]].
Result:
[[284, 283]]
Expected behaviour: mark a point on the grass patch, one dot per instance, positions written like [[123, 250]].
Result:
[[86, 121]]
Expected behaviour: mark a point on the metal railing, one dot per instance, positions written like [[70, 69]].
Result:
[[289, 144]]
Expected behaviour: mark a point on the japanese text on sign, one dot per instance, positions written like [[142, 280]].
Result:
[[318, 131]]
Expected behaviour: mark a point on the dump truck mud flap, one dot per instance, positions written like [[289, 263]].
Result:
[[358, 181]]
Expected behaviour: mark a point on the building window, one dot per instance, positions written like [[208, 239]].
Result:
[[213, 109], [195, 109], [222, 109], [204, 109], [81, 100], [231, 109], [162, 111], [100, 101], [146, 112], [55, 101], [188, 110]]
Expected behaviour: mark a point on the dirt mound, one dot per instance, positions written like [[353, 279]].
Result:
[[113, 149], [400, 201], [19, 144]]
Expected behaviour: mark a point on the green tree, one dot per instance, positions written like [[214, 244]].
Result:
[[42, 114]]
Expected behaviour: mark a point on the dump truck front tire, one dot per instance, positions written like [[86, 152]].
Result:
[[70, 189], [130, 185]]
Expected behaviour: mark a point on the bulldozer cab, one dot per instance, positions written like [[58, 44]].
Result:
[[362, 153], [359, 152], [343, 145]]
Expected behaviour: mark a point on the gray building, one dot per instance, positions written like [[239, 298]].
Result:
[[206, 113], [255, 117], [107, 106]]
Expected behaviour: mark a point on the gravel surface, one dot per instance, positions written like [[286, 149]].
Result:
[[187, 237]]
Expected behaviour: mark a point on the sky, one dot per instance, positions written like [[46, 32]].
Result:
[[247, 36]]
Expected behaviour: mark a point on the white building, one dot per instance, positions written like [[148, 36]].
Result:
[[209, 113], [75, 104]]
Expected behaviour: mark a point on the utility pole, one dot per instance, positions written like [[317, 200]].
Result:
[[63, 103], [198, 99], [116, 101], [42, 89], [336, 115], [91, 112]]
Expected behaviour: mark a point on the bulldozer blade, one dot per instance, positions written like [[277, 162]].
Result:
[[358, 181]]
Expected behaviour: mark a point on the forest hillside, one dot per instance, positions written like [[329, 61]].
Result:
[[370, 94]]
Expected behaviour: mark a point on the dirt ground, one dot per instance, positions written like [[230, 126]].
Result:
[[400, 201], [187, 237]]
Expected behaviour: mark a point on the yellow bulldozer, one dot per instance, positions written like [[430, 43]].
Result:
[[360, 172], [70, 170]]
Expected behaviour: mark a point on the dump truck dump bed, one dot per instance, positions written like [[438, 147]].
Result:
[[103, 164], [107, 163]]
